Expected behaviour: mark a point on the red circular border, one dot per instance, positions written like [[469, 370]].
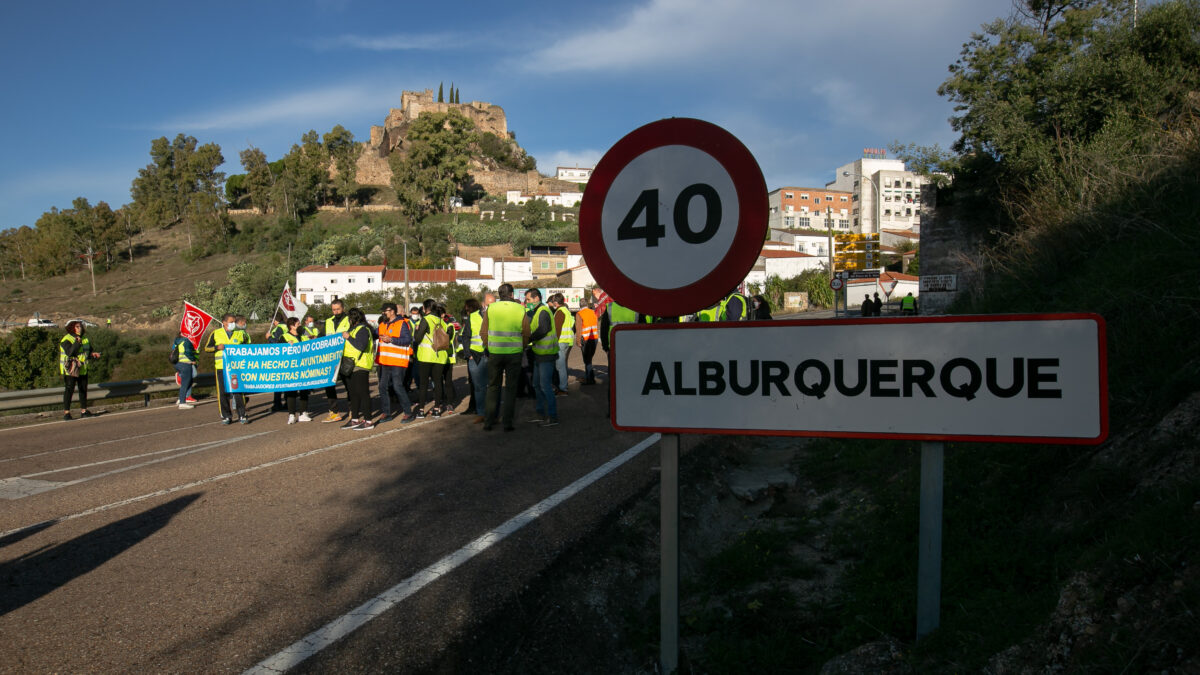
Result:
[[747, 242]]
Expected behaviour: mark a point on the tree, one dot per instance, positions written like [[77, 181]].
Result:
[[440, 93], [258, 180], [181, 185], [537, 214], [435, 166], [344, 152]]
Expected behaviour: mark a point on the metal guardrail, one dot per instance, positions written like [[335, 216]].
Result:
[[30, 398]]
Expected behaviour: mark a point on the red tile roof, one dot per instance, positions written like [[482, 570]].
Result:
[[772, 253], [343, 268], [420, 276]]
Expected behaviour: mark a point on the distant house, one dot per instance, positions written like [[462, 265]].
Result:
[[322, 284], [573, 174], [552, 198]]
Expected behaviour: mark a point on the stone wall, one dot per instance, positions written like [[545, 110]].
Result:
[[946, 248]]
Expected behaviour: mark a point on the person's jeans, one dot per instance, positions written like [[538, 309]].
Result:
[[478, 371], [393, 377], [543, 388], [564, 350], [503, 372], [187, 372]]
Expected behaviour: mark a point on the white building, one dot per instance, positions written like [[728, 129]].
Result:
[[322, 284], [553, 198], [885, 194], [574, 174], [812, 244]]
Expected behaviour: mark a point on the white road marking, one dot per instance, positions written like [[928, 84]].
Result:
[[20, 486], [97, 416], [115, 440], [211, 479], [342, 626]]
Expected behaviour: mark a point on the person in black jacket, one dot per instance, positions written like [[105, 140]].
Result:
[[760, 308]]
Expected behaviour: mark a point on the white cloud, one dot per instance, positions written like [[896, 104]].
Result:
[[573, 158], [301, 106], [391, 43]]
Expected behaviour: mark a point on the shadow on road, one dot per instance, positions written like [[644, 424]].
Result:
[[30, 577]]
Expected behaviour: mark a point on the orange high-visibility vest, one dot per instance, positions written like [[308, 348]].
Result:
[[390, 353], [589, 326]]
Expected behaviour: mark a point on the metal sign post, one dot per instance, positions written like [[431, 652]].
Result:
[[668, 596], [929, 537]]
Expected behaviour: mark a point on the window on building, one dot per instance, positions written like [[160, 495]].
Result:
[[887, 212], [789, 222], [856, 213], [897, 184], [854, 197], [843, 198], [908, 184], [558, 266], [843, 223], [803, 195], [318, 299], [545, 265], [806, 222], [370, 280], [350, 280], [908, 212], [333, 281], [789, 195]]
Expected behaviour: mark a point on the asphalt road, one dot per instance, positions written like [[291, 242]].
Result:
[[159, 540]]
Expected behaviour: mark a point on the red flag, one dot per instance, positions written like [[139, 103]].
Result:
[[602, 303], [195, 320]]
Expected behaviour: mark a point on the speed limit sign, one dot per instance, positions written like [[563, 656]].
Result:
[[836, 283], [674, 217]]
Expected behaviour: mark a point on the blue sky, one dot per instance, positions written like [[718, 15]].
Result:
[[805, 85]]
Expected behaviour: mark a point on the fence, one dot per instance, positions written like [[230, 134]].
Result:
[[31, 398]]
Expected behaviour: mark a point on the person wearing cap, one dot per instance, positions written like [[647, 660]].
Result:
[[74, 351], [395, 355]]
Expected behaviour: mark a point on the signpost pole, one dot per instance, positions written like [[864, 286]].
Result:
[[929, 557], [668, 603]]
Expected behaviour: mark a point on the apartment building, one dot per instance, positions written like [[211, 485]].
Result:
[[884, 194], [800, 208]]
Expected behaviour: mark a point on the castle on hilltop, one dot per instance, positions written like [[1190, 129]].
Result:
[[392, 137], [372, 164]]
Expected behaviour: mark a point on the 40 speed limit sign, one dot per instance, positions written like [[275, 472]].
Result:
[[674, 217]]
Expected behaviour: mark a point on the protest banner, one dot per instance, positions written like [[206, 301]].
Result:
[[311, 364], [195, 320]]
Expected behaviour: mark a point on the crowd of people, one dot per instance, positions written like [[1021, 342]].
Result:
[[512, 348]]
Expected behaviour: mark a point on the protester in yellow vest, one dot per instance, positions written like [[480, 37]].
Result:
[[395, 357], [538, 331], [74, 350], [360, 350], [297, 401], [431, 363], [564, 328], [227, 334], [472, 340], [338, 323], [734, 307], [185, 369], [501, 329]]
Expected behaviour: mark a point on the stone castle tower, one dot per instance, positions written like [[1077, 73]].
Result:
[[390, 137]]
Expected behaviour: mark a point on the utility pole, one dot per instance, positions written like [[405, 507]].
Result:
[[829, 231], [407, 301]]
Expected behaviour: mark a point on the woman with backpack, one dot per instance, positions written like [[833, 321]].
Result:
[[183, 355], [433, 345], [360, 350]]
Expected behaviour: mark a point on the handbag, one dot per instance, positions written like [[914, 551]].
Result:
[[346, 367], [73, 367]]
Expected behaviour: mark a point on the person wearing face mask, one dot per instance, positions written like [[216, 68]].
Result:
[[227, 334], [275, 335], [310, 329], [338, 323], [761, 309], [410, 375]]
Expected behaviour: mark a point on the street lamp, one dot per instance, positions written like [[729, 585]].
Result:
[[829, 232]]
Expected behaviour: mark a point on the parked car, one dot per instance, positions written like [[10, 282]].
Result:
[[85, 322], [41, 323]]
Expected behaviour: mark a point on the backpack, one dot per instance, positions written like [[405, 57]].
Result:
[[441, 339], [173, 357]]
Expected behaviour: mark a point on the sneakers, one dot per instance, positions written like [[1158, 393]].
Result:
[[351, 424], [67, 417], [303, 417], [366, 425], [291, 419], [86, 413], [437, 412], [421, 414], [408, 418], [537, 420], [245, 420], [186, 406], [334, 417], [190, 400], [448, 410], [226, 420], [552, 422]]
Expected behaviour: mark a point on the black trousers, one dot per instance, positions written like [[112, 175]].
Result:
[[292, 396], [70, 383], [223, 398], [503, 372], [431, 372], [358, 390]]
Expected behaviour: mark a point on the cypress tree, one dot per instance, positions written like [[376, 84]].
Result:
[[440, 93]]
